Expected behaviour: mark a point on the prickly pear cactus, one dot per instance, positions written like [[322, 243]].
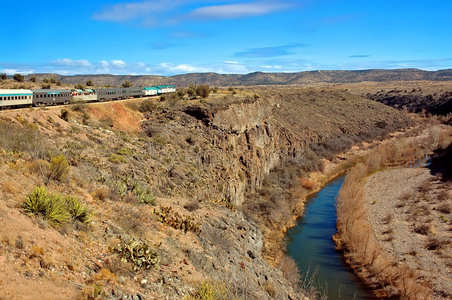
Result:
[[138, 253], [166, 215]]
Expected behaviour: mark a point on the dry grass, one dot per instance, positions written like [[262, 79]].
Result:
[[355, 231]]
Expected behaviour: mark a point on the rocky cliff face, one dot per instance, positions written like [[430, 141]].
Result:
[[257, 135]]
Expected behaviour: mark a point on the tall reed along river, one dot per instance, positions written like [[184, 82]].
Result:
[[310, 244]]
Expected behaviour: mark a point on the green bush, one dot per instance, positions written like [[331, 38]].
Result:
[[59, 168], [3, 76], [19, 77], [55, 208], [33, 79]]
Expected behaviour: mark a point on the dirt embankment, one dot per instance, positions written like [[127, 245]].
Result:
[[226, 166], [393, 225]]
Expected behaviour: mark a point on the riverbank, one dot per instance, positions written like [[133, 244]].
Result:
[[409, 212], [359, 237]]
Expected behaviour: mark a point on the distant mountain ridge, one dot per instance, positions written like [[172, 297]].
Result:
[[259, 78]]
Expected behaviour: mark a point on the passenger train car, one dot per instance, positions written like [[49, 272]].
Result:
[[15, 97], [42, 97]]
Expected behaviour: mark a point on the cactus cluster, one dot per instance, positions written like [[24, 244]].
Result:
[[166, 215], [138, 253]]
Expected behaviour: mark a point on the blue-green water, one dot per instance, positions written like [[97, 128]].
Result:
[[310, 244]]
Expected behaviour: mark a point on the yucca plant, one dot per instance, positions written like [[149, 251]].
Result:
[[77, 210], [55, 208], [50, 206]]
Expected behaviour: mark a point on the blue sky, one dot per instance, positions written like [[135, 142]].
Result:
[[237, 36]]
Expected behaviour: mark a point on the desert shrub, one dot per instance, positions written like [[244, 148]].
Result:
[[117, 159], [3, 76], [208, 291], [19, 77], [64, 115], [290, 270], [101, 194], [191, 206], [124, 151], [89, 83], [444, 208], [422, 229], [126, 187], [46, 86], [106, 122], [39, 166], [307, 184], [79, 86], [203, 91], [126, 84], [152, 130], [381, 124], [147, 106], [79, 106], [181, 93], [58, 168], [33, 79], [166, 215], [53, 80], [191, 91], [138, 253]]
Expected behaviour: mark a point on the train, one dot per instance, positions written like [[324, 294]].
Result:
[[10, 98]]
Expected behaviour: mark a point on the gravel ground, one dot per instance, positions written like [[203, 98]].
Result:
[[410, 213]]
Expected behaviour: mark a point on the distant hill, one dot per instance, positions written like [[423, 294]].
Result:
[[259, 78]]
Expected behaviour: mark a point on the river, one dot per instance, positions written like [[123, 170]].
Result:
[[310, 244]]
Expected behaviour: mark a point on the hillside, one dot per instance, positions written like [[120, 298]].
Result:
[[185, 196], [259, 78]]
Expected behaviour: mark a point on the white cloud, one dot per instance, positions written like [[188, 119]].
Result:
[[125, 11], [232, 11], [272, 67], [118, 63], [67, 62], [17, 71], [185, 68], [231, 62]]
